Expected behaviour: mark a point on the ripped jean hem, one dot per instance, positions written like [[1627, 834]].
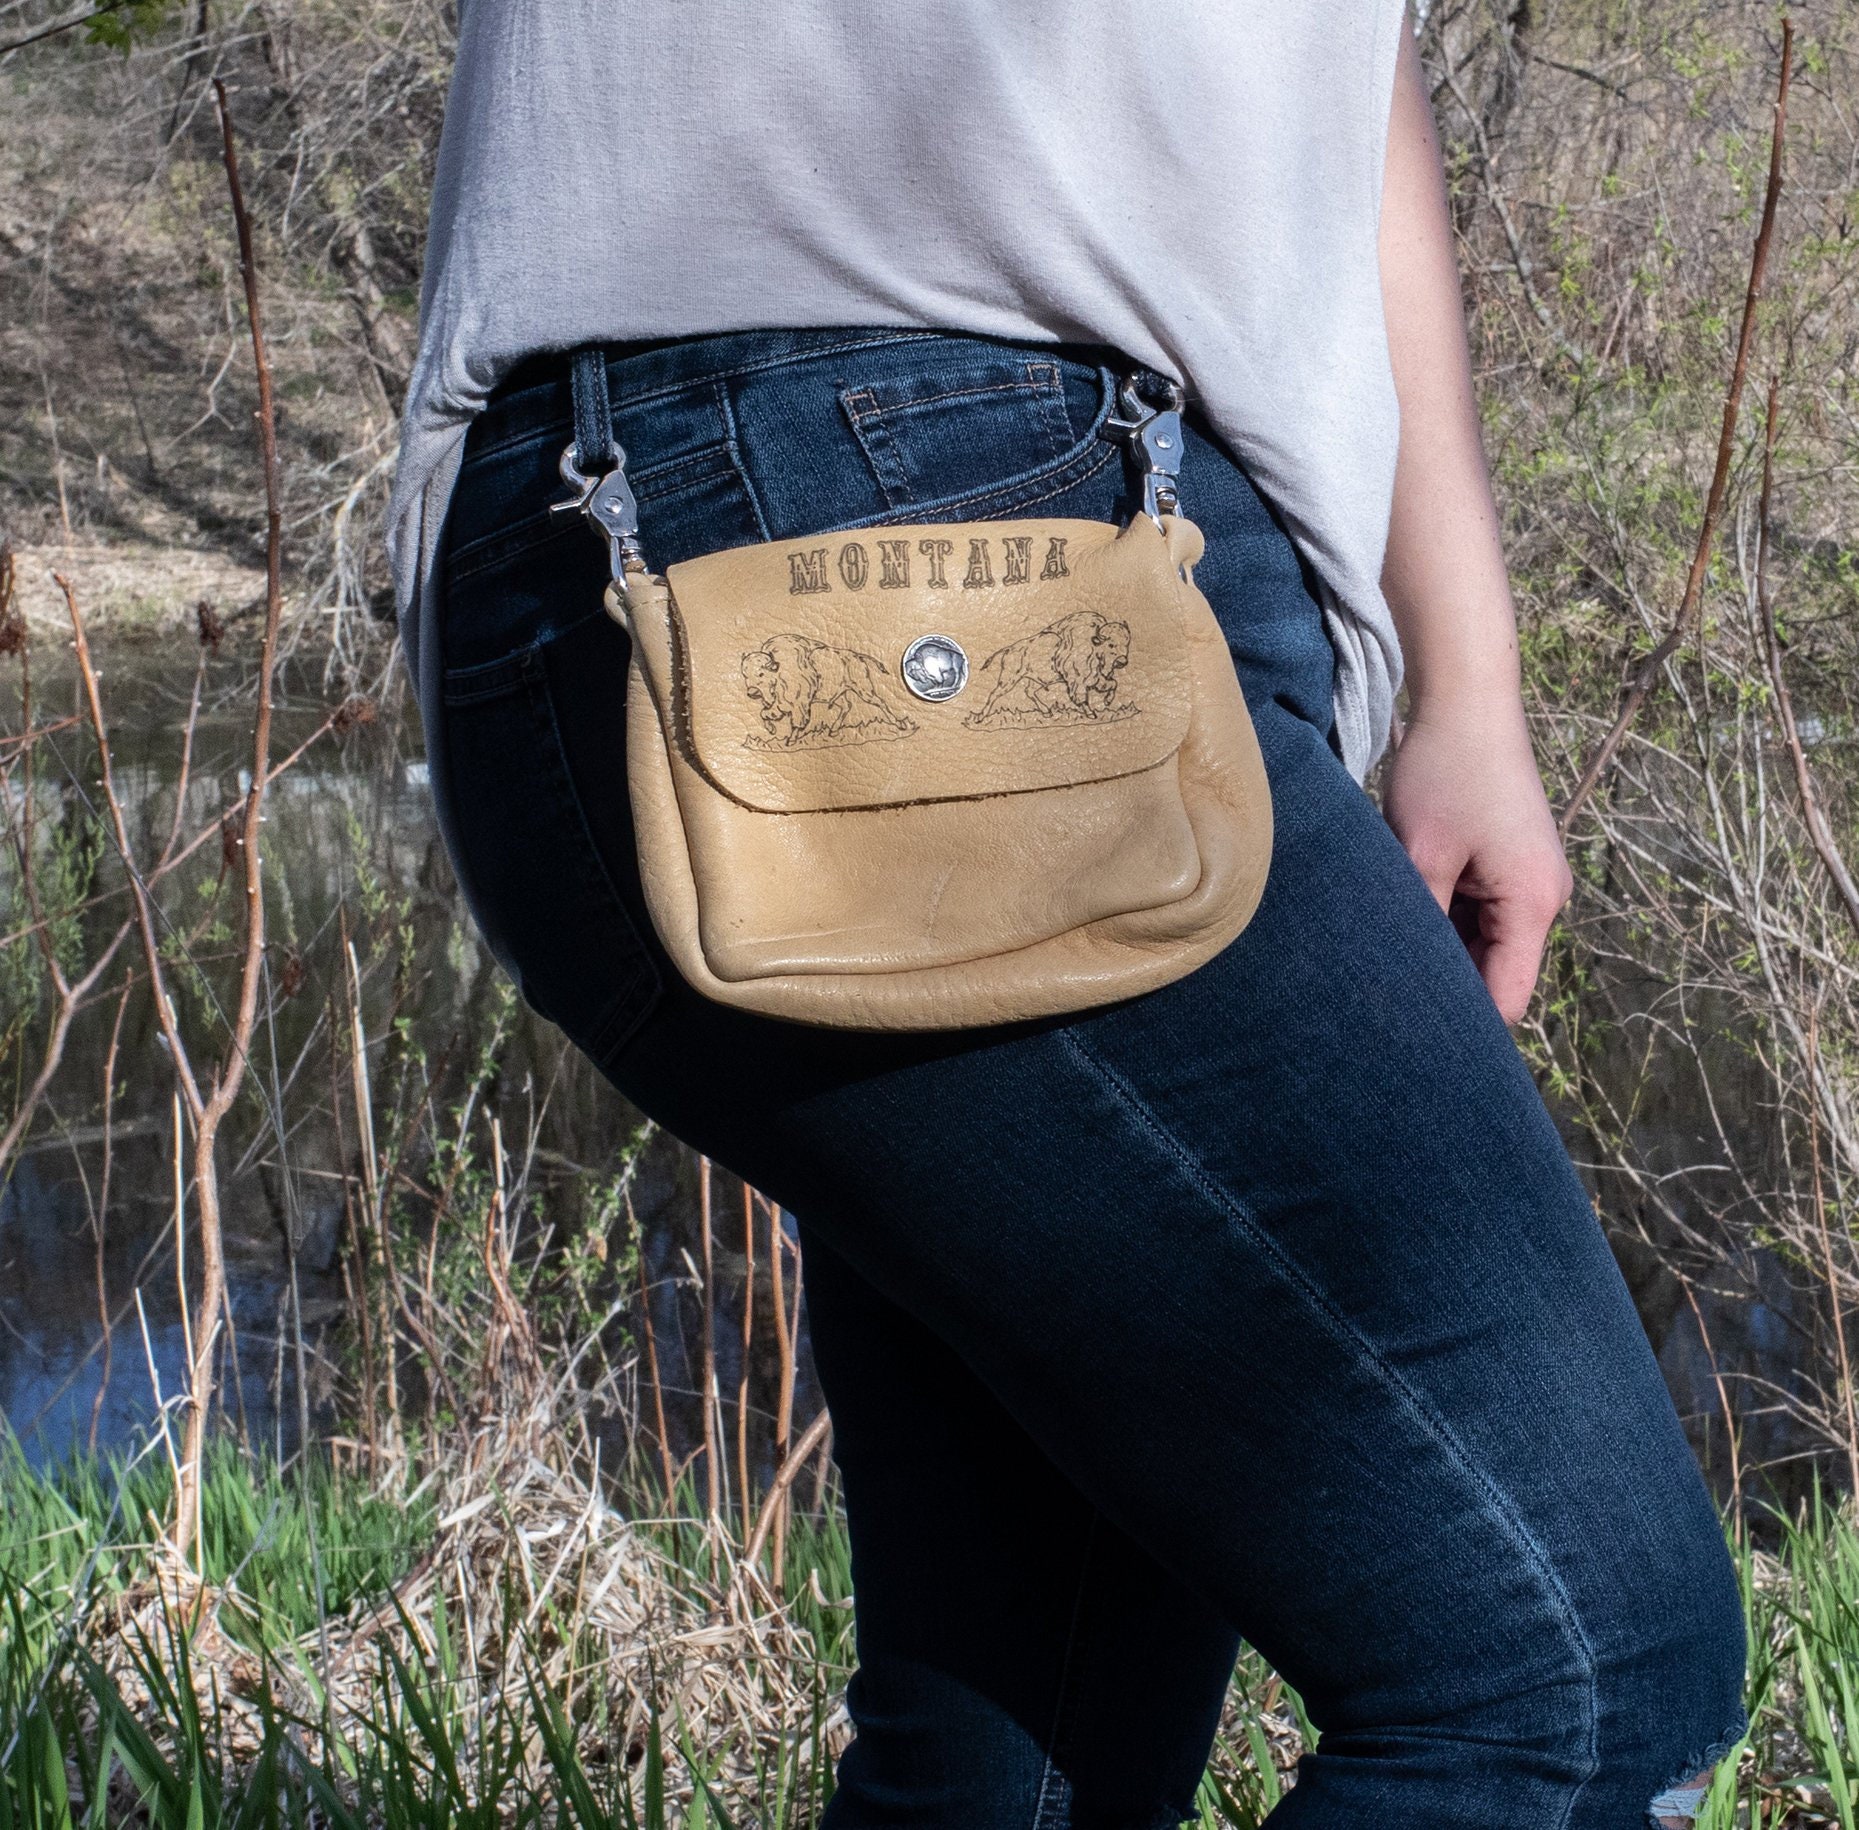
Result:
[[1682, 1799]]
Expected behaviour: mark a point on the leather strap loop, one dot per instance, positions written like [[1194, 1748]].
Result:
[[593, 411], [1156, 390]]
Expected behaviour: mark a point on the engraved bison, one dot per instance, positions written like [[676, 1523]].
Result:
[[810, 693], [1065, 673]]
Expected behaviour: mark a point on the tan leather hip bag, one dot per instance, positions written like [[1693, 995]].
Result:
[[938, 776]]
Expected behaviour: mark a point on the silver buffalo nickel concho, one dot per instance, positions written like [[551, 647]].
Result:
[[934, 667]]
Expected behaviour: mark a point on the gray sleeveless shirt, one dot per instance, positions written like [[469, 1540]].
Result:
[[1197, 184]]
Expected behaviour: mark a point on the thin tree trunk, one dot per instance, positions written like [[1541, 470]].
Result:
[[229, 1074], [712, 1473], [1646, 676], [784, 1399], [748, 1343]]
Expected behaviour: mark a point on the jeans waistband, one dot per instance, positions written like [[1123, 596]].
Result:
[[538, 387]]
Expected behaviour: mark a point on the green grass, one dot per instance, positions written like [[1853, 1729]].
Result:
[[312, 1699], [147, 1735], [291, 1552]]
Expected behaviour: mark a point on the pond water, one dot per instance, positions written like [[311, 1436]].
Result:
[[352, 855]]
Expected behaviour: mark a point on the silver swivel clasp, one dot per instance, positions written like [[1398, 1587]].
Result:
[[1154, 433], [611, 509]]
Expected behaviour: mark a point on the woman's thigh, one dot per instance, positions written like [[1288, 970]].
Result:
[[1282, 1266]]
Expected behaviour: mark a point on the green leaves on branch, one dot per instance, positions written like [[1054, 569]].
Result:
[[121, 24]]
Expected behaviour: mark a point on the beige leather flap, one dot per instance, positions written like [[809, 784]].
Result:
[[1059, 644]]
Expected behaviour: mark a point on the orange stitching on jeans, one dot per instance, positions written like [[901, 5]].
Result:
[[1006, 490], [929, 400]]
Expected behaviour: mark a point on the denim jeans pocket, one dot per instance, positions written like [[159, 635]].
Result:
[[937, 430], [919, 432], [543, 850]]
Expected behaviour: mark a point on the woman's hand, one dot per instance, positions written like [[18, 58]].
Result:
[[1463, 796]]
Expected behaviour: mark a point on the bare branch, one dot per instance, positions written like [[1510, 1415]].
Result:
[[1647, 674]]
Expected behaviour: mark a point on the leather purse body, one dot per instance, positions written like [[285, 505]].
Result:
[[940, 776]]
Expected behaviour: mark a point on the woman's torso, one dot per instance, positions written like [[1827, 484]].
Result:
[[1198, 188]]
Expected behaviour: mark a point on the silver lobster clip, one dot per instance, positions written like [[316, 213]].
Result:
[[611, 509], [1154, 431]]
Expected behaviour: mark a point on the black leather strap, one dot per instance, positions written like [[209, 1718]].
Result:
[[593, 412], [1155, 389]]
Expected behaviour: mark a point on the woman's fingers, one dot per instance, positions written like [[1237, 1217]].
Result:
[[1441, 857], [1509, 933]]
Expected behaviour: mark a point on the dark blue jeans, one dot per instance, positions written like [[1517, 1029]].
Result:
[[1264, 1305]]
